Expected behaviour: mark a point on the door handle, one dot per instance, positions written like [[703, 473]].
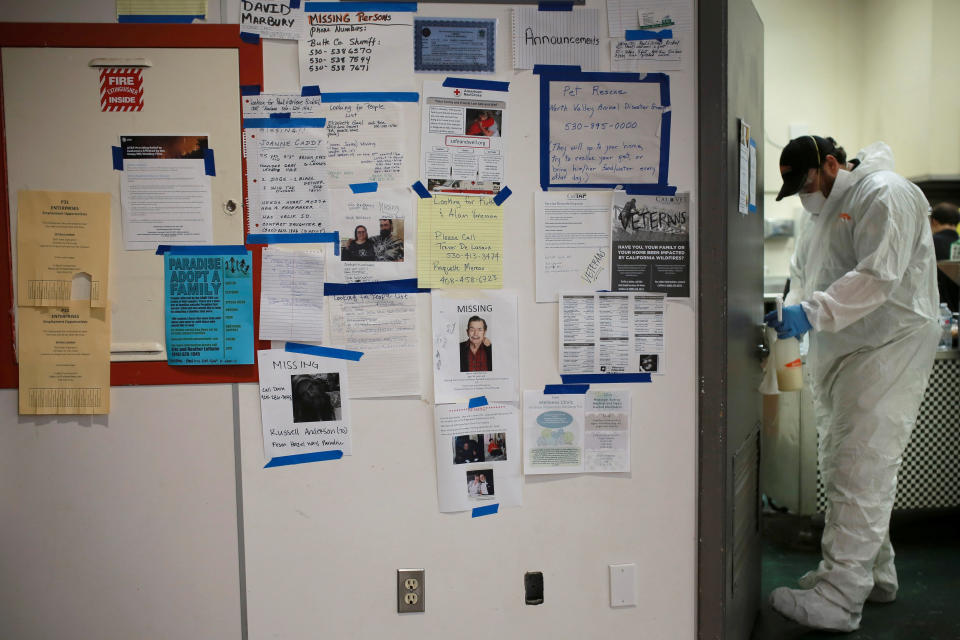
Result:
[[763, 349]]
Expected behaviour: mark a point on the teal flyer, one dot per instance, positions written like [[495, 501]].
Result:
[[209, 306]]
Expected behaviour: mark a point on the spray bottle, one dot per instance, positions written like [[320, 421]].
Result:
[[786, 355]]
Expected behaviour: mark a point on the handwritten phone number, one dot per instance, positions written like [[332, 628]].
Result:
[[340, 67], [598, 126]]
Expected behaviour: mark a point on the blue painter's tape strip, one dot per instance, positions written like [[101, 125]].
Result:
[[502, 195], [421, 190], [294, 4], [250, 38], [483, 85], [293, 238], [283, 123], [479, 401], [249, 89], [545, 131], [664, 81], [649, 190], [364, 187], [565, 389], [310, 90], [203, 250], [209, 166], [601, 378], [555, 6], [360, 6], [117, 158], [664, 175], [301, 458], [555, 68], [371, 96], [326, 352], [367, 288], [280, 115], [488, 510], [172, 19], [646, 34]]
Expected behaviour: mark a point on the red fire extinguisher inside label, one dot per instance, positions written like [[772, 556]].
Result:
[[121, 89]]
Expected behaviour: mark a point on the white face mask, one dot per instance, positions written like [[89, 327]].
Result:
[[813, 202]]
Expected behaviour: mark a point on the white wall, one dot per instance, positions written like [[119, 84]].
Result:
[[860, 70], [323, 541], [120, 526], [808, 80]]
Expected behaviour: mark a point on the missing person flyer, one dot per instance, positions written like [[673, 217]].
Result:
[[304, 403], [209, 305], [475, 346], [478, 456]]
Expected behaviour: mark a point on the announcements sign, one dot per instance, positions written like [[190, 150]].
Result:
[[121, 89]]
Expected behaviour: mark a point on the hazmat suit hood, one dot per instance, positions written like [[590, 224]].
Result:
[[875, 157]]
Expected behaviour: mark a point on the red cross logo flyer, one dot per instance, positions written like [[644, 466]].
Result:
[[121, 89]]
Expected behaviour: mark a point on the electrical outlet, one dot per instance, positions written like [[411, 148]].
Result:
[[410, 590]]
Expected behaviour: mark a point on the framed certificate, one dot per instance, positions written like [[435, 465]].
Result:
[[454, 44]]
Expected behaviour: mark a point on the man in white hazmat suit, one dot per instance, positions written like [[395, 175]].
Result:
[[863, 281]]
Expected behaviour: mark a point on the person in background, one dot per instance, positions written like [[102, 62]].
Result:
[[863, 283], [944, 219]]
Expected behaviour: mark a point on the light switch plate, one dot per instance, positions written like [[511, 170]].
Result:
[[623, 585], [410, 590]]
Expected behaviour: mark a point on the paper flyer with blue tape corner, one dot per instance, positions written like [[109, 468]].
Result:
[[304, 402], [352, 46], [478, 456], [463, 136], [605, 129], [612, 333], [576, 433], [378, 231], [209, 305]]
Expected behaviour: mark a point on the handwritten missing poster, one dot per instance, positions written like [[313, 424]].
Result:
[[604, 130], [304, 403], [350, 46], [287, 175]]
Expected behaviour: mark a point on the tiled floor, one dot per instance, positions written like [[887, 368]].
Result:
[[928, 563]]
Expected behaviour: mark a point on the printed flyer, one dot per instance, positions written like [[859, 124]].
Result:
[[209, 305]]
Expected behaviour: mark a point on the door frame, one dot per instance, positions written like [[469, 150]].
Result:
[[714, 493]]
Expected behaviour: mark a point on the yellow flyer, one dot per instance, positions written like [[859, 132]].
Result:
[[60, 235], [460, 243], [64, 355]]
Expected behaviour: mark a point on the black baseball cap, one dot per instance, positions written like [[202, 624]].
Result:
[[798, 157]]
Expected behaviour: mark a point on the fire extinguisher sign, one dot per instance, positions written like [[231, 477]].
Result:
[[121, 89]]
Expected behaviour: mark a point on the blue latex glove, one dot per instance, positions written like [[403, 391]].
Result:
[[794, 324]]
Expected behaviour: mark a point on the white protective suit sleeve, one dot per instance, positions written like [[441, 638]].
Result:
[[797, 289], [883, 248]]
